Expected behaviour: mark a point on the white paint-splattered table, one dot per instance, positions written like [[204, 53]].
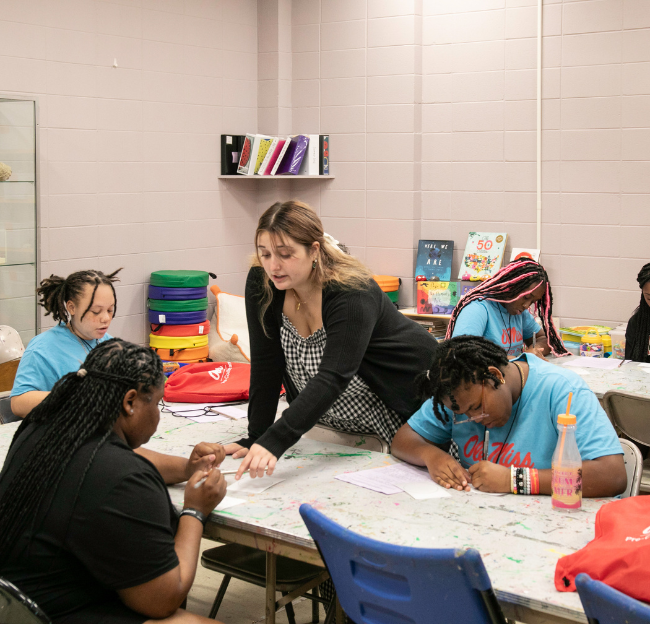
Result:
[[628, 377], [519, 538]]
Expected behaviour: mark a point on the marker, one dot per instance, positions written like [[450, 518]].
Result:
[[486, 444], [223, 472]]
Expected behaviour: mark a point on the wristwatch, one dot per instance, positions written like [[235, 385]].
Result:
[[195, 513]]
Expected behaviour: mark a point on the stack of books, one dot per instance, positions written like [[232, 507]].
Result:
[[259, 154], [436, 293]]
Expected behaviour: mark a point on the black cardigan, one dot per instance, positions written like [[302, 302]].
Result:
[[365, 334]]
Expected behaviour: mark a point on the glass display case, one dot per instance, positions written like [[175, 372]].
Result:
[[18, 216]]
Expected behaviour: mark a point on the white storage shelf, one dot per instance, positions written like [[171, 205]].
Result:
[[276, 177]]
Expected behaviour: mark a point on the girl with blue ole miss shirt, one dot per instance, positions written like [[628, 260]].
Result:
[[473, 389], [498, 310]]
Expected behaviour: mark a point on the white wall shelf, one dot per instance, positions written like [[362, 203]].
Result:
[[281, 177]]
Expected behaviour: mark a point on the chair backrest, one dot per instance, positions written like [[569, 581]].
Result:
[[605, 605], [16, 608], [367, 441], [630, 413], [633, 467], [387, 584], [6, 415]]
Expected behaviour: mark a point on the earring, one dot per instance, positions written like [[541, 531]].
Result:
[[132, 411], [313, 264], [502, 381]]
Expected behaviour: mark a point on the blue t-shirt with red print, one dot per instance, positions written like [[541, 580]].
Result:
[[532, 439], [492, 321]]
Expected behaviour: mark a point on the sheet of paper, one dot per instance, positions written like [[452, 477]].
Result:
[[581, 371], [423, 490], [594, 362], [388, 480], [207, 419], [642, 364], [253, 486], [229, 501], [473, 490], [232, 412]]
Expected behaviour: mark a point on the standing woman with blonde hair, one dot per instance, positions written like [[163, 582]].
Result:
[[321, 326]]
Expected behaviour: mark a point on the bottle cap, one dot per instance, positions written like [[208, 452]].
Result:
[[566, 419]]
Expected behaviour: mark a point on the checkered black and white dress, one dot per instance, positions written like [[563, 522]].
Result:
[[358, 409]]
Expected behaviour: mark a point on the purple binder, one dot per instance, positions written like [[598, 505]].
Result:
[[293, 157]]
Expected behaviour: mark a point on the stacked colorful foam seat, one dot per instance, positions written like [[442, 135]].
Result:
[[178, 309]]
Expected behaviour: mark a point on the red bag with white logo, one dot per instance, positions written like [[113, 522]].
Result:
[[620, 552], [208, 382]]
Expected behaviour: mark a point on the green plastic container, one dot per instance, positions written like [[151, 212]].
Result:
[[189, 305], [179, 279]]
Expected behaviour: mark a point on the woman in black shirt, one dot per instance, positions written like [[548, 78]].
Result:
[[637, 334], [321, 326], [87, 529]]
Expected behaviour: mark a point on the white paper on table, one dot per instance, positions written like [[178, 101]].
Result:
[[254, 486], [231, 412], [387, 480], [473, 490], [581, 371], [594, 362], [642, 364], [423, 490], [229, 501], [207, 419]]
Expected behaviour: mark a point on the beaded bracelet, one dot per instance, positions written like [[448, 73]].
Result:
[[535, 481], [524, 480]]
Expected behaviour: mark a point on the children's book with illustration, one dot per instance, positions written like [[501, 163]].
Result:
[[436, 297], [483, 255], [433, 263]]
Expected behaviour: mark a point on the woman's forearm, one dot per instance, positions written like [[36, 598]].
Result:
[[22, 404], [172, 468], [188, 545], [602, 477]]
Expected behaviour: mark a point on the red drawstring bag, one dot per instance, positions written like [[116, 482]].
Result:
[[618, 555], [207, 382]]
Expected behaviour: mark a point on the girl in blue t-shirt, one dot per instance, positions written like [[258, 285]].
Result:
[[498, 310], [474, 390], [83, 305]]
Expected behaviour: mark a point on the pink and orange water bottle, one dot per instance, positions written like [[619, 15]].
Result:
[[566, 475]]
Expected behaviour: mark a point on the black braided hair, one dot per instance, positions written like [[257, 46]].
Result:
[[637, 345], [519, 278], [55, 291], [459, 360], [78, 407]]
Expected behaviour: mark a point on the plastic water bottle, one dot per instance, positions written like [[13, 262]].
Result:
[[566, 479]]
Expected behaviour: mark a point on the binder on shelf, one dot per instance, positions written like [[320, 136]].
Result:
[[231, 145], [324, 154], [272, 156], [246, 155], [280, 156], [267, 157], [309, 165], [292, 160], [263, 144]]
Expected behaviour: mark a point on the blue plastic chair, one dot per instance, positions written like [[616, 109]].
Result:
[[605, 605], [378, 583]]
